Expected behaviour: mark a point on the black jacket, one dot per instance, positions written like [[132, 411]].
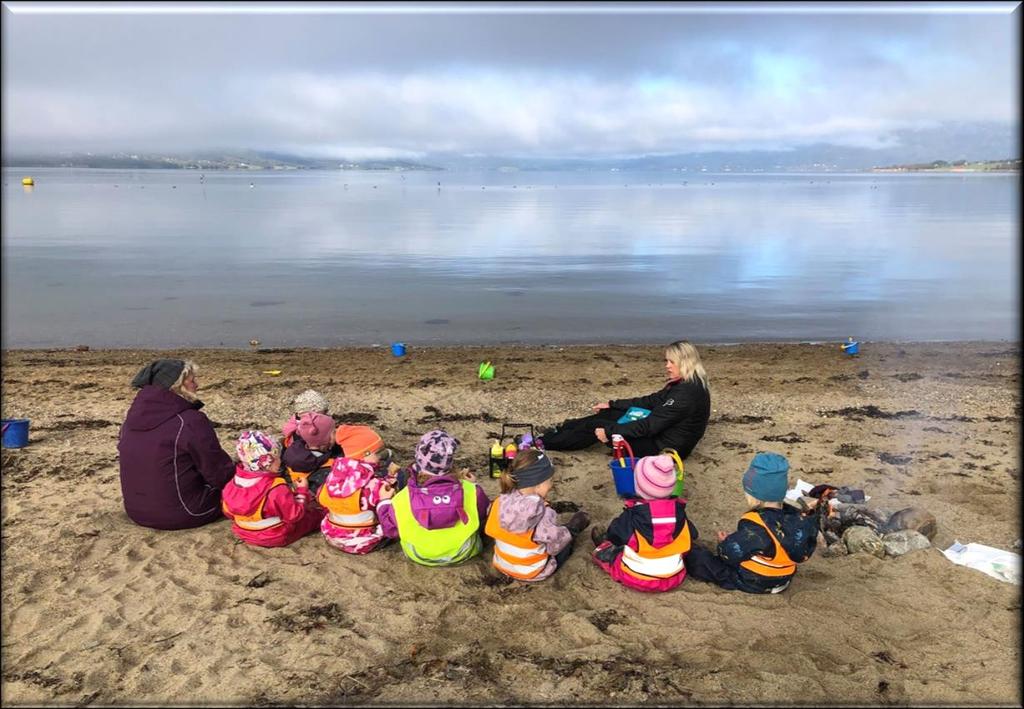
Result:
[[637, 518], [679, 416], [797, 533]]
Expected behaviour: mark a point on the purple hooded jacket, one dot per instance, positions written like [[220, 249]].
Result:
[[172, 465]]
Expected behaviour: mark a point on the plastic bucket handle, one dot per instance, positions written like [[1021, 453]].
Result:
[[624, 444], [679, 467]]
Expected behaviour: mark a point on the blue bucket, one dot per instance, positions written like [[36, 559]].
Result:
[[398, 349], [851, 348], [15, 433], [623, 476]]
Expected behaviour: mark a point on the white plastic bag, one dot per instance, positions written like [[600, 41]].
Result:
[[999, 564]]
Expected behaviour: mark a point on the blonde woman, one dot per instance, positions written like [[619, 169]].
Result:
[[172, 465], [678, 415]]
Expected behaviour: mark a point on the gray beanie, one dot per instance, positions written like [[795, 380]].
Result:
[[162, 372], [310, 400]]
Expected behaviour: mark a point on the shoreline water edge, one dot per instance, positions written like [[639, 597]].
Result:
[[99, 610]]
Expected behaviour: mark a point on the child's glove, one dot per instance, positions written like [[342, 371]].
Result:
[[387, 491]]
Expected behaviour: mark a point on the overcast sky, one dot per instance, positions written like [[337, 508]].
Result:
[[518, 79]]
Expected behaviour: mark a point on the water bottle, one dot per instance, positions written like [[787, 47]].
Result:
[[496, 458]]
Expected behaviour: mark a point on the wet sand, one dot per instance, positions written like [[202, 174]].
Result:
[[98, 610]]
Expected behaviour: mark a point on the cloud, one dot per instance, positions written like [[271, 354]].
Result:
[[562, 85]]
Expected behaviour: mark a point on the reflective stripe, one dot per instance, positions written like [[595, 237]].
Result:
[[658, 567], [518, 553], [519, 570], [246, 482], [256, 526], [362, 519], [765, 561], [664, 520], [468, 549], [780, 589]]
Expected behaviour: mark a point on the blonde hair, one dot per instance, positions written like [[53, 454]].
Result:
[[685, 356], [522, 459], [189, 370]]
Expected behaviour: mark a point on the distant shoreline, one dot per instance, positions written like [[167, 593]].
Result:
[[519, 346], [250, 171]]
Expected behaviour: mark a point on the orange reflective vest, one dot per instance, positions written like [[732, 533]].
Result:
[[345, 512], [515, 553], [256, 522], [777, 566], [648, 562], [296, 476]]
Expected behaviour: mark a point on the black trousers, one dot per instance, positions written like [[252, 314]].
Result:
[[707, 566], [577, 434], [563, 556]]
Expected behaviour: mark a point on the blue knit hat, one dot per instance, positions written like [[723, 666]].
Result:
[[767, 478]]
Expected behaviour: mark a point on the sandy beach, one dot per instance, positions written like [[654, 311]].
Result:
[[97, 610]]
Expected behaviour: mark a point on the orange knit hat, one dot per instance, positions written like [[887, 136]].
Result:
[[357, 441]]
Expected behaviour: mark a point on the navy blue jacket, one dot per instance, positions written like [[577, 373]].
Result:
[[797, 533], [637, 518]]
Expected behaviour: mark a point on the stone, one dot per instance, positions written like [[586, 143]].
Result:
[[859, 539], [1016, 545], [834, 550], [915, 518], [904, 541]]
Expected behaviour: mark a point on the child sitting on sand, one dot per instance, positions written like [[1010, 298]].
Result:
[[770, 539], [263, 509], [644, 546], [529, 543], [309, 446], [436, 516], [353, 490]]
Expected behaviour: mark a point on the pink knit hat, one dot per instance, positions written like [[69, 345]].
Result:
[[317, 430], [654, 476]]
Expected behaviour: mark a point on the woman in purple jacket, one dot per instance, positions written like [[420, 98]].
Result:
[[172, 465]]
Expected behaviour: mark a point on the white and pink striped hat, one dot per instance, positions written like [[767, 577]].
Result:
[[654, 476]]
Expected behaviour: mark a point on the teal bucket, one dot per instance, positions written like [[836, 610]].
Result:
[[15, 432]]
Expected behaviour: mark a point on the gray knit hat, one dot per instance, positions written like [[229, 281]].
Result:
[[162, 372], [310, 400]]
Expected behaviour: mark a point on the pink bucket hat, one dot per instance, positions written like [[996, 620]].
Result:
[[317, 430], [654, 476]]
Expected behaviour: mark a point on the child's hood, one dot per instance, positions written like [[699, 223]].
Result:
[[347, 476], [243, 496], [520, 513]]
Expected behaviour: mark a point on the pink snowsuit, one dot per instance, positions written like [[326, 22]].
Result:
[[282, 518], [349, 477]]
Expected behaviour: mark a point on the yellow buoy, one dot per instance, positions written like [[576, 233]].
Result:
[[27, 181]]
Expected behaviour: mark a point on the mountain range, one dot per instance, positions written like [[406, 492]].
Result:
[[970, 142]]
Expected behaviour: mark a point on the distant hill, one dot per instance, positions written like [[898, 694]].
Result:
[[960, 143], [1009, 165], [206, 161]]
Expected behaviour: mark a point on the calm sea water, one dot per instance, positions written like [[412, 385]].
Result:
[[123, 258]]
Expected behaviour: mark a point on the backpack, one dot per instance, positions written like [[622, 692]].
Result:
[[438, 503]]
